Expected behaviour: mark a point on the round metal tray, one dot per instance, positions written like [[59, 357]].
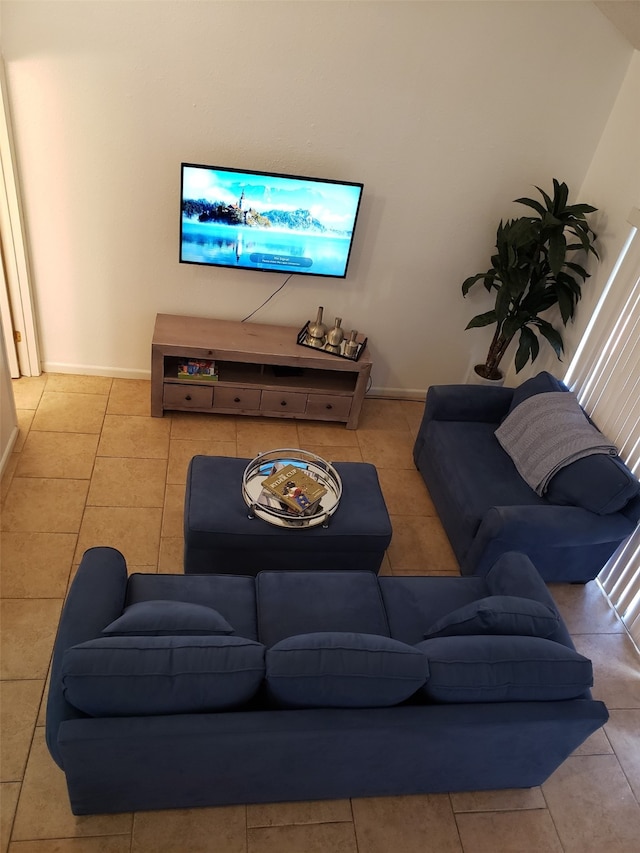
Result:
[[260, 468]]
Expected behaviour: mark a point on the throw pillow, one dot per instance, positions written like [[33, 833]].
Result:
[[600, 483], [503, 669], [543, 383], [140, 676], [343, 670], [168, 618], [498, 614]]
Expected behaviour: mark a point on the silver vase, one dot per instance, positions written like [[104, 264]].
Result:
[[317, 332], [335, 336], [351, 346]]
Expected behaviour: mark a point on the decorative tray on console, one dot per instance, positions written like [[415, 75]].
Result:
[[304, 340], [263, 505]]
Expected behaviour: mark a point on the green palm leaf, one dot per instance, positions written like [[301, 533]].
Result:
[[528, 348], [552, 335], [482, 320]]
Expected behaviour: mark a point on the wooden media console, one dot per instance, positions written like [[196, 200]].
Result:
[[261, 370]]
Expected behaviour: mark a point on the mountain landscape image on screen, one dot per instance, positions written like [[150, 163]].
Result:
[[238, 214]]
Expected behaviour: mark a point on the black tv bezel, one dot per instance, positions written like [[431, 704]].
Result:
[[267, 174]]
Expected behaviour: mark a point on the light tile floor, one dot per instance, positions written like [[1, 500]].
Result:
[[74, 480]]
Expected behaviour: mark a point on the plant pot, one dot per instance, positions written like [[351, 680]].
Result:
[[475, 378]]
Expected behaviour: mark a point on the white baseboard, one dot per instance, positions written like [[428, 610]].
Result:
[[418, 394], [6, 456], [96, 370]]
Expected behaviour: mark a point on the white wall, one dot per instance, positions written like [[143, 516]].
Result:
[[446, 112], [612, 184]]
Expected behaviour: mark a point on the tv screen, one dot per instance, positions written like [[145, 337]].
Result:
[[265, 221]]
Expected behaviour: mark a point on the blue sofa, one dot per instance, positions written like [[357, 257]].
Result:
[[177, 691], [487, 508]]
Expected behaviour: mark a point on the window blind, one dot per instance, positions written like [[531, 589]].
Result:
[[605, 376]]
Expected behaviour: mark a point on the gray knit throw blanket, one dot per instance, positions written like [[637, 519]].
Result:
[[546, 432]]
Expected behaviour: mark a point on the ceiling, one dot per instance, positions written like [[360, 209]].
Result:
[[625, 16]]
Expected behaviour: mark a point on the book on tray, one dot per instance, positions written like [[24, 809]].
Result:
[[295, 489]]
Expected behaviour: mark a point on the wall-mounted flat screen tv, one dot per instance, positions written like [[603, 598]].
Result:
[[266, 221]]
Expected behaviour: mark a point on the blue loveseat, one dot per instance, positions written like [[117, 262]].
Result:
[[487, 508], [176, 691]]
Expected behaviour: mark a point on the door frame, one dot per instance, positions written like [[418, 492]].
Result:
[[16, 298]]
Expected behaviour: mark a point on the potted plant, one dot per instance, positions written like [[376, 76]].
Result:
[[532, 270]]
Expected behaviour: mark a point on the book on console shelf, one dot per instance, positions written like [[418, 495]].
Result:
[[198, 369], [295, 488]]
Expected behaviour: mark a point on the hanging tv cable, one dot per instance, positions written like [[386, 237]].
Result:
[[277, 290]]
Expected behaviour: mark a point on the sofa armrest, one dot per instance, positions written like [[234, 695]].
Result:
[[96, 597], [514, 574], [554, 534], [467, 403]]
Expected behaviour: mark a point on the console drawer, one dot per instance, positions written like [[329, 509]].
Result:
[[283, 401], [236, 397], [185, 397], [328, 407]]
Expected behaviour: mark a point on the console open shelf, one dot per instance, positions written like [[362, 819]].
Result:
[[261, 371]]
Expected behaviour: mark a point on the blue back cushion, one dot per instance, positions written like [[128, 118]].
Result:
[[497, 614], [414, 603], [543, 383], [168, 618], [304, 602], [138, 676], [503, 669], [233, 596], [343, 670], [600, 483]]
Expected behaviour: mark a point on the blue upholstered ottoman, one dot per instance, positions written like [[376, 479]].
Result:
[[220, 537]]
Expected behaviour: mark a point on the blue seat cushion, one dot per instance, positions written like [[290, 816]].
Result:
[[168, 618], [304, 602], [139, 676], [475, 471], [343, 670], [600, 483], [503, 669], [498, 614]]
